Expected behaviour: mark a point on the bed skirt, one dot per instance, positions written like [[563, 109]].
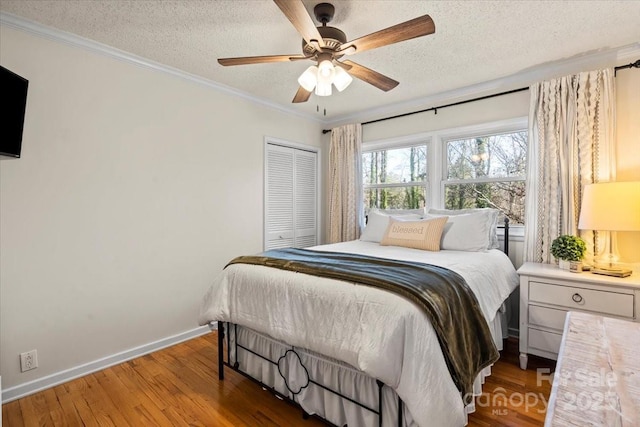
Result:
[[326, 387]]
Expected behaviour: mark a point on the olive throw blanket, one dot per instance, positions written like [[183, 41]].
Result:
[[442, 294]]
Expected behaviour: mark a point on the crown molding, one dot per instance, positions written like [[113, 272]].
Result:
[[49, 33], [582, 62], [601, 58]]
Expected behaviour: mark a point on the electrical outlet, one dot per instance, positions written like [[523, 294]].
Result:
[[28, 360]]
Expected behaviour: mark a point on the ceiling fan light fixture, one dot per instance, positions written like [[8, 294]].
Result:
[[308, 79], [323, 88], [326, 45], [326, 73], [326, 69], [341, 79]]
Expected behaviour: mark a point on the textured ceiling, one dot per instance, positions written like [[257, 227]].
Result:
[[474, 42]]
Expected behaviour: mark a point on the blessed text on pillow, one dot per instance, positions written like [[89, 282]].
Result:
[[424, 234]]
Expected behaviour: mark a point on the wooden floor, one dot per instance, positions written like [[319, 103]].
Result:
[[179, 386]]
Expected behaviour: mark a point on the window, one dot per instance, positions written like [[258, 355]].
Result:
[[487, 172], [473, 167], [395, 178]]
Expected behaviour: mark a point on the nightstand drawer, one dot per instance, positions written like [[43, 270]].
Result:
[[606, 302], [547, 317], [545, 341]]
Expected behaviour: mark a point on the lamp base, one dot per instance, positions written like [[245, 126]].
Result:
[[615, 272]]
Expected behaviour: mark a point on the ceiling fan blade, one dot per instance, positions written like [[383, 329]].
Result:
[[295, 11], [259, 59], [302, 95], [368, 75], [417, 27]]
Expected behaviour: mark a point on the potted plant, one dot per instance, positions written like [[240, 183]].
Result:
[[569, 250]]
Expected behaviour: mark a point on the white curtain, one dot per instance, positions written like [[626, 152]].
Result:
[[345, 197], [571, 144]]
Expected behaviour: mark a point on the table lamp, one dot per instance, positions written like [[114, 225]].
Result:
[[610, 207]]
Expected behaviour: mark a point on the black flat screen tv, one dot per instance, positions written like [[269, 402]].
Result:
[[13, 103]]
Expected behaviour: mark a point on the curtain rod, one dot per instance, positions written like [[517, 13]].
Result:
[[435, 109], [631, 65]]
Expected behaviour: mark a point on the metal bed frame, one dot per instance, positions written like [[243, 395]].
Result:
[[225, 332]]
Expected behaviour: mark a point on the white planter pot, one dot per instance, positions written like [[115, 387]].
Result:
[[575, 266]]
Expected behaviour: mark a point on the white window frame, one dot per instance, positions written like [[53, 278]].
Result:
[[437, 156], [425, 183]]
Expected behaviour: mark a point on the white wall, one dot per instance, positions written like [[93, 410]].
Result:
[[135, 187]]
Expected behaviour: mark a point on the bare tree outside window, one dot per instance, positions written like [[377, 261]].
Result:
[[479, 171], [395, 178], [488, 172]]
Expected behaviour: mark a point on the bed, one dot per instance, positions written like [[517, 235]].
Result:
[[353, 354]]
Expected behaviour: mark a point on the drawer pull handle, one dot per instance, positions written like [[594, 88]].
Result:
[[577, 298]]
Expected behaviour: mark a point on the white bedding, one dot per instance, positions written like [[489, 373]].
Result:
[[377, 332]]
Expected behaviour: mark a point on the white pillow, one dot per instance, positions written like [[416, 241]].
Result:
[[377, 223], [419, 211], [492, 217], [465, 232]]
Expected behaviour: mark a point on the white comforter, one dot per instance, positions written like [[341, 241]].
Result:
[[380, 333]]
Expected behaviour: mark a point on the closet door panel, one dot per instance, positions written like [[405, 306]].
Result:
[[291, 197], [279, 209], [306, 197]]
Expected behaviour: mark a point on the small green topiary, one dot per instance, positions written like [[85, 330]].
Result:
[[568, 248]]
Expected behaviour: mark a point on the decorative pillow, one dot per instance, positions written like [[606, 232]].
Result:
[[377, 223], [492, 218], [466, 232], [424, 234]]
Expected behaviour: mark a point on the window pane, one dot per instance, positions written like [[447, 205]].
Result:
[[410, 197], [506, 196], [492, 156], [397, 165]]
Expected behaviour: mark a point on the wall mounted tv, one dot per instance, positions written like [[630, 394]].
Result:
[[13, 103]]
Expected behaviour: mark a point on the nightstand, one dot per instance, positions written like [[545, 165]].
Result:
[[547, 293]]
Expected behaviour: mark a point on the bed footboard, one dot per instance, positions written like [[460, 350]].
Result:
[[225, 332]]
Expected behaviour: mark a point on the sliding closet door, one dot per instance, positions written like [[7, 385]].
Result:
[[291, 194]]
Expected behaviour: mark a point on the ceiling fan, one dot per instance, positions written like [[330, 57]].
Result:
[[327, 45]]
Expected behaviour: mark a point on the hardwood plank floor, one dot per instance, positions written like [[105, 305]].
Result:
[[179, 386]]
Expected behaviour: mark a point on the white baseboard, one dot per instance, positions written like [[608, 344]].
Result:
[[513, 332], [57, 378]]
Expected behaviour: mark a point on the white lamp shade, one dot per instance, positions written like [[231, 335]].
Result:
[[325, 78], [325, 69], [342, 79], [611, 206], [308, 79], [323, 88]]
